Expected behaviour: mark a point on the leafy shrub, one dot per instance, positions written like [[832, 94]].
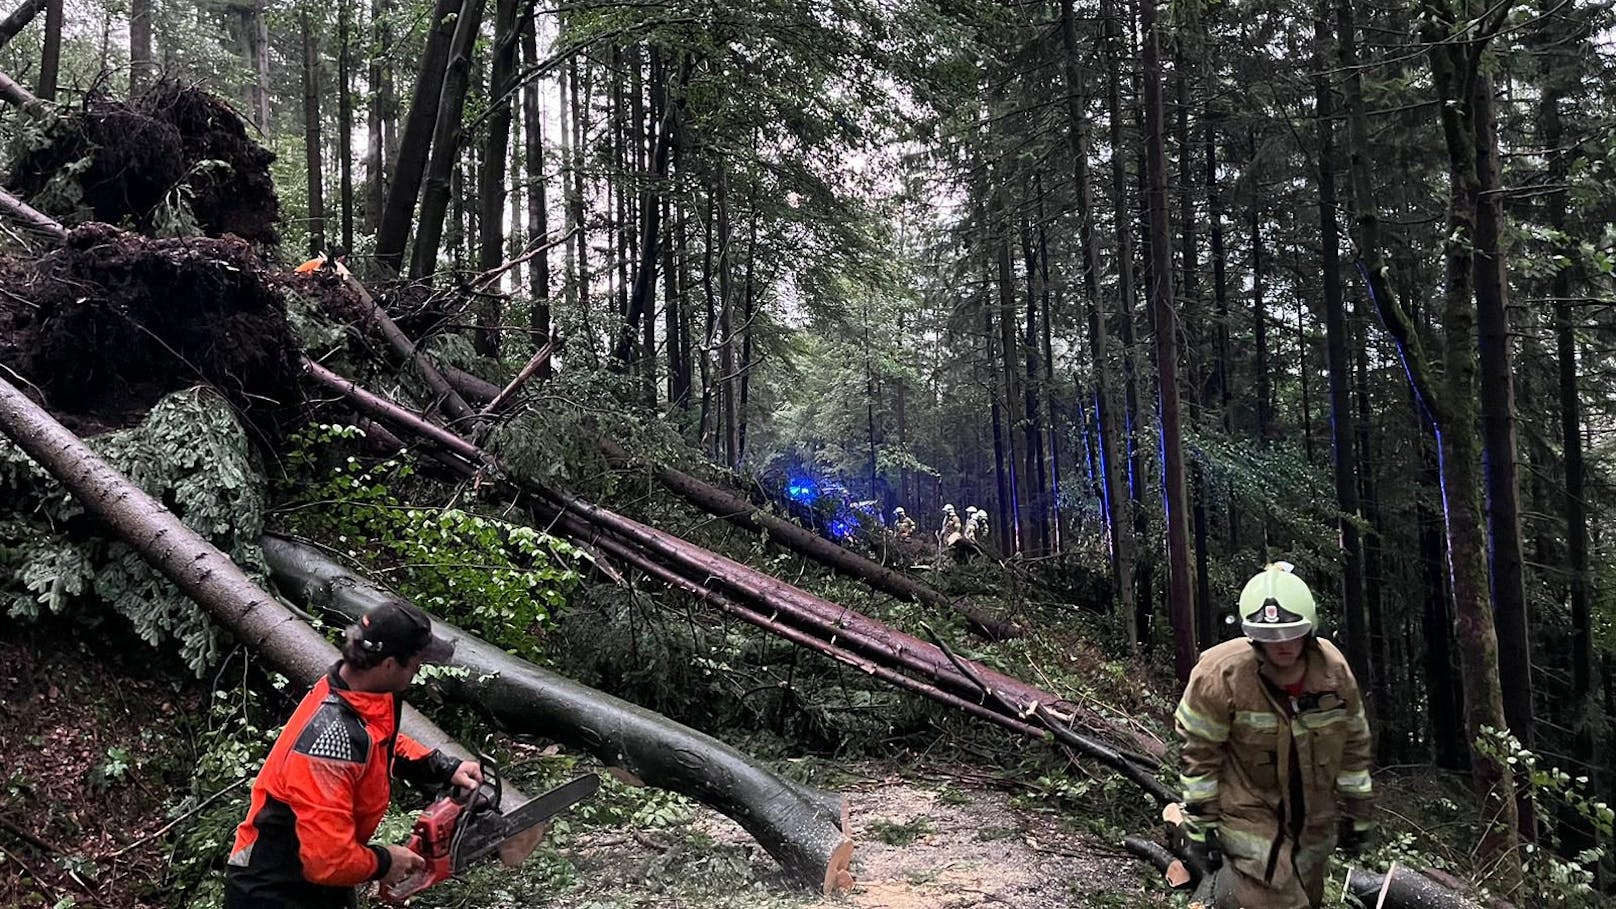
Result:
[[500, 580]]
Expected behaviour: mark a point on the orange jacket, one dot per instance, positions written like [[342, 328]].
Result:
[[319, 262], [320, 795]]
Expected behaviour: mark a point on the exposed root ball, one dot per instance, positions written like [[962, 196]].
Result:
[[130, 163], [112, 321]]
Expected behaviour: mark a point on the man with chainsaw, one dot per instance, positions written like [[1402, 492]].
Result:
[[327, 781], [1276, 753]]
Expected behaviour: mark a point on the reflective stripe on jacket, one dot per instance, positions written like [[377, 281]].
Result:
[[320, 795], [1241, 738]]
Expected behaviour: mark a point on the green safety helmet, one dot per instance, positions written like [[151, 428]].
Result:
[[1276, 606]]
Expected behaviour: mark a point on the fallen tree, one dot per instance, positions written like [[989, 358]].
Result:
[[139, 161], [755, 520], [743, 513], [1004, 696], [205, 574], [801, 827]]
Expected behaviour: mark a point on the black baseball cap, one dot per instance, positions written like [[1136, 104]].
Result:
[[399, 629]]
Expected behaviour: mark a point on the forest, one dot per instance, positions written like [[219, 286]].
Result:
[[630, 335]]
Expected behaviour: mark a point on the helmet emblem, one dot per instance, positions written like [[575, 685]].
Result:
[[1270, 611]]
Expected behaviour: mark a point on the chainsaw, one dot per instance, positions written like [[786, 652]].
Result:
[[462, 827]]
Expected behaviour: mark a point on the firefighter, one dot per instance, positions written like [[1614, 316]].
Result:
[[980, 520], [904, 524], [970, 523], [1276, 753], [334, 259], [326, 783], [951, 526]]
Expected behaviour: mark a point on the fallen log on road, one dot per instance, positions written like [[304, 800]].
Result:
[[801, 827]]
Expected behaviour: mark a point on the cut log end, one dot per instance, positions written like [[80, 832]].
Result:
[[514, 850], [1178, 875], [838, 871]]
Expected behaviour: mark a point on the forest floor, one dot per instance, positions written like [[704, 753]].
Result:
[[94, 753], [933, 842]]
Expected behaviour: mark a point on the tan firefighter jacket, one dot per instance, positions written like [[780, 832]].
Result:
[[1242, 738]]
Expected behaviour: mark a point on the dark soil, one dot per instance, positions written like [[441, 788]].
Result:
[[88, 763], [104, 326], [133, 155]]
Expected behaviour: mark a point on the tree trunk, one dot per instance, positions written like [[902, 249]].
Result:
[[1342, 433], [19, 18], [1019, 504], [538, 204], [50, 57], [491, 187], [801, 827], [1111, 443], [1037, 542], [744, 514], [1561, 76], [345, 120], [446, 136], [257, 27], [380, 80], [415, 140], [642, 299], [311, 135], [1012, 700], [199, 570], [1180, 599], [142, 70], [1452, 406], [1497, 365]]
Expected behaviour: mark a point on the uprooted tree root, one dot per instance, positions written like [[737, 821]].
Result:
[[110, 322], [130, 163]]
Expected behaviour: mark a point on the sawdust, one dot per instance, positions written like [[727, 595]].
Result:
[[921, 844]]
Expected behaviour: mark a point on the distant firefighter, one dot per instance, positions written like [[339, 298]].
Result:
[[977, 528], [970, 523], [904, 524], [951, 526]]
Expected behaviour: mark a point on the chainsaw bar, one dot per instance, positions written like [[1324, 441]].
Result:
[[488, 830]]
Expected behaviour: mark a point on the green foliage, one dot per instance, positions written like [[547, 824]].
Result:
[[112, 768], [1553, 880], [894, 833], [502, 581], [189, 453]]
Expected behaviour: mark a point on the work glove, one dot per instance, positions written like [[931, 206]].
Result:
[[1353, 837], [1202, 852]]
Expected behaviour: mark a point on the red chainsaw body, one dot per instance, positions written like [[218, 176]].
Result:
[[432, 838]]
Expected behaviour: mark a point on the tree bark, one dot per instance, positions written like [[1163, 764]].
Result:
[[1506, 574], [29, 217], [194, 565], [1452, 404], [415, 141], [446, 136], [142, 70], [491, 188], [345, 202], [257, 28], [1180, 600], [801, 827], [380, 79], [50, 58], [20, 17], [311, 135], [1342, 433], [538, 213]]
